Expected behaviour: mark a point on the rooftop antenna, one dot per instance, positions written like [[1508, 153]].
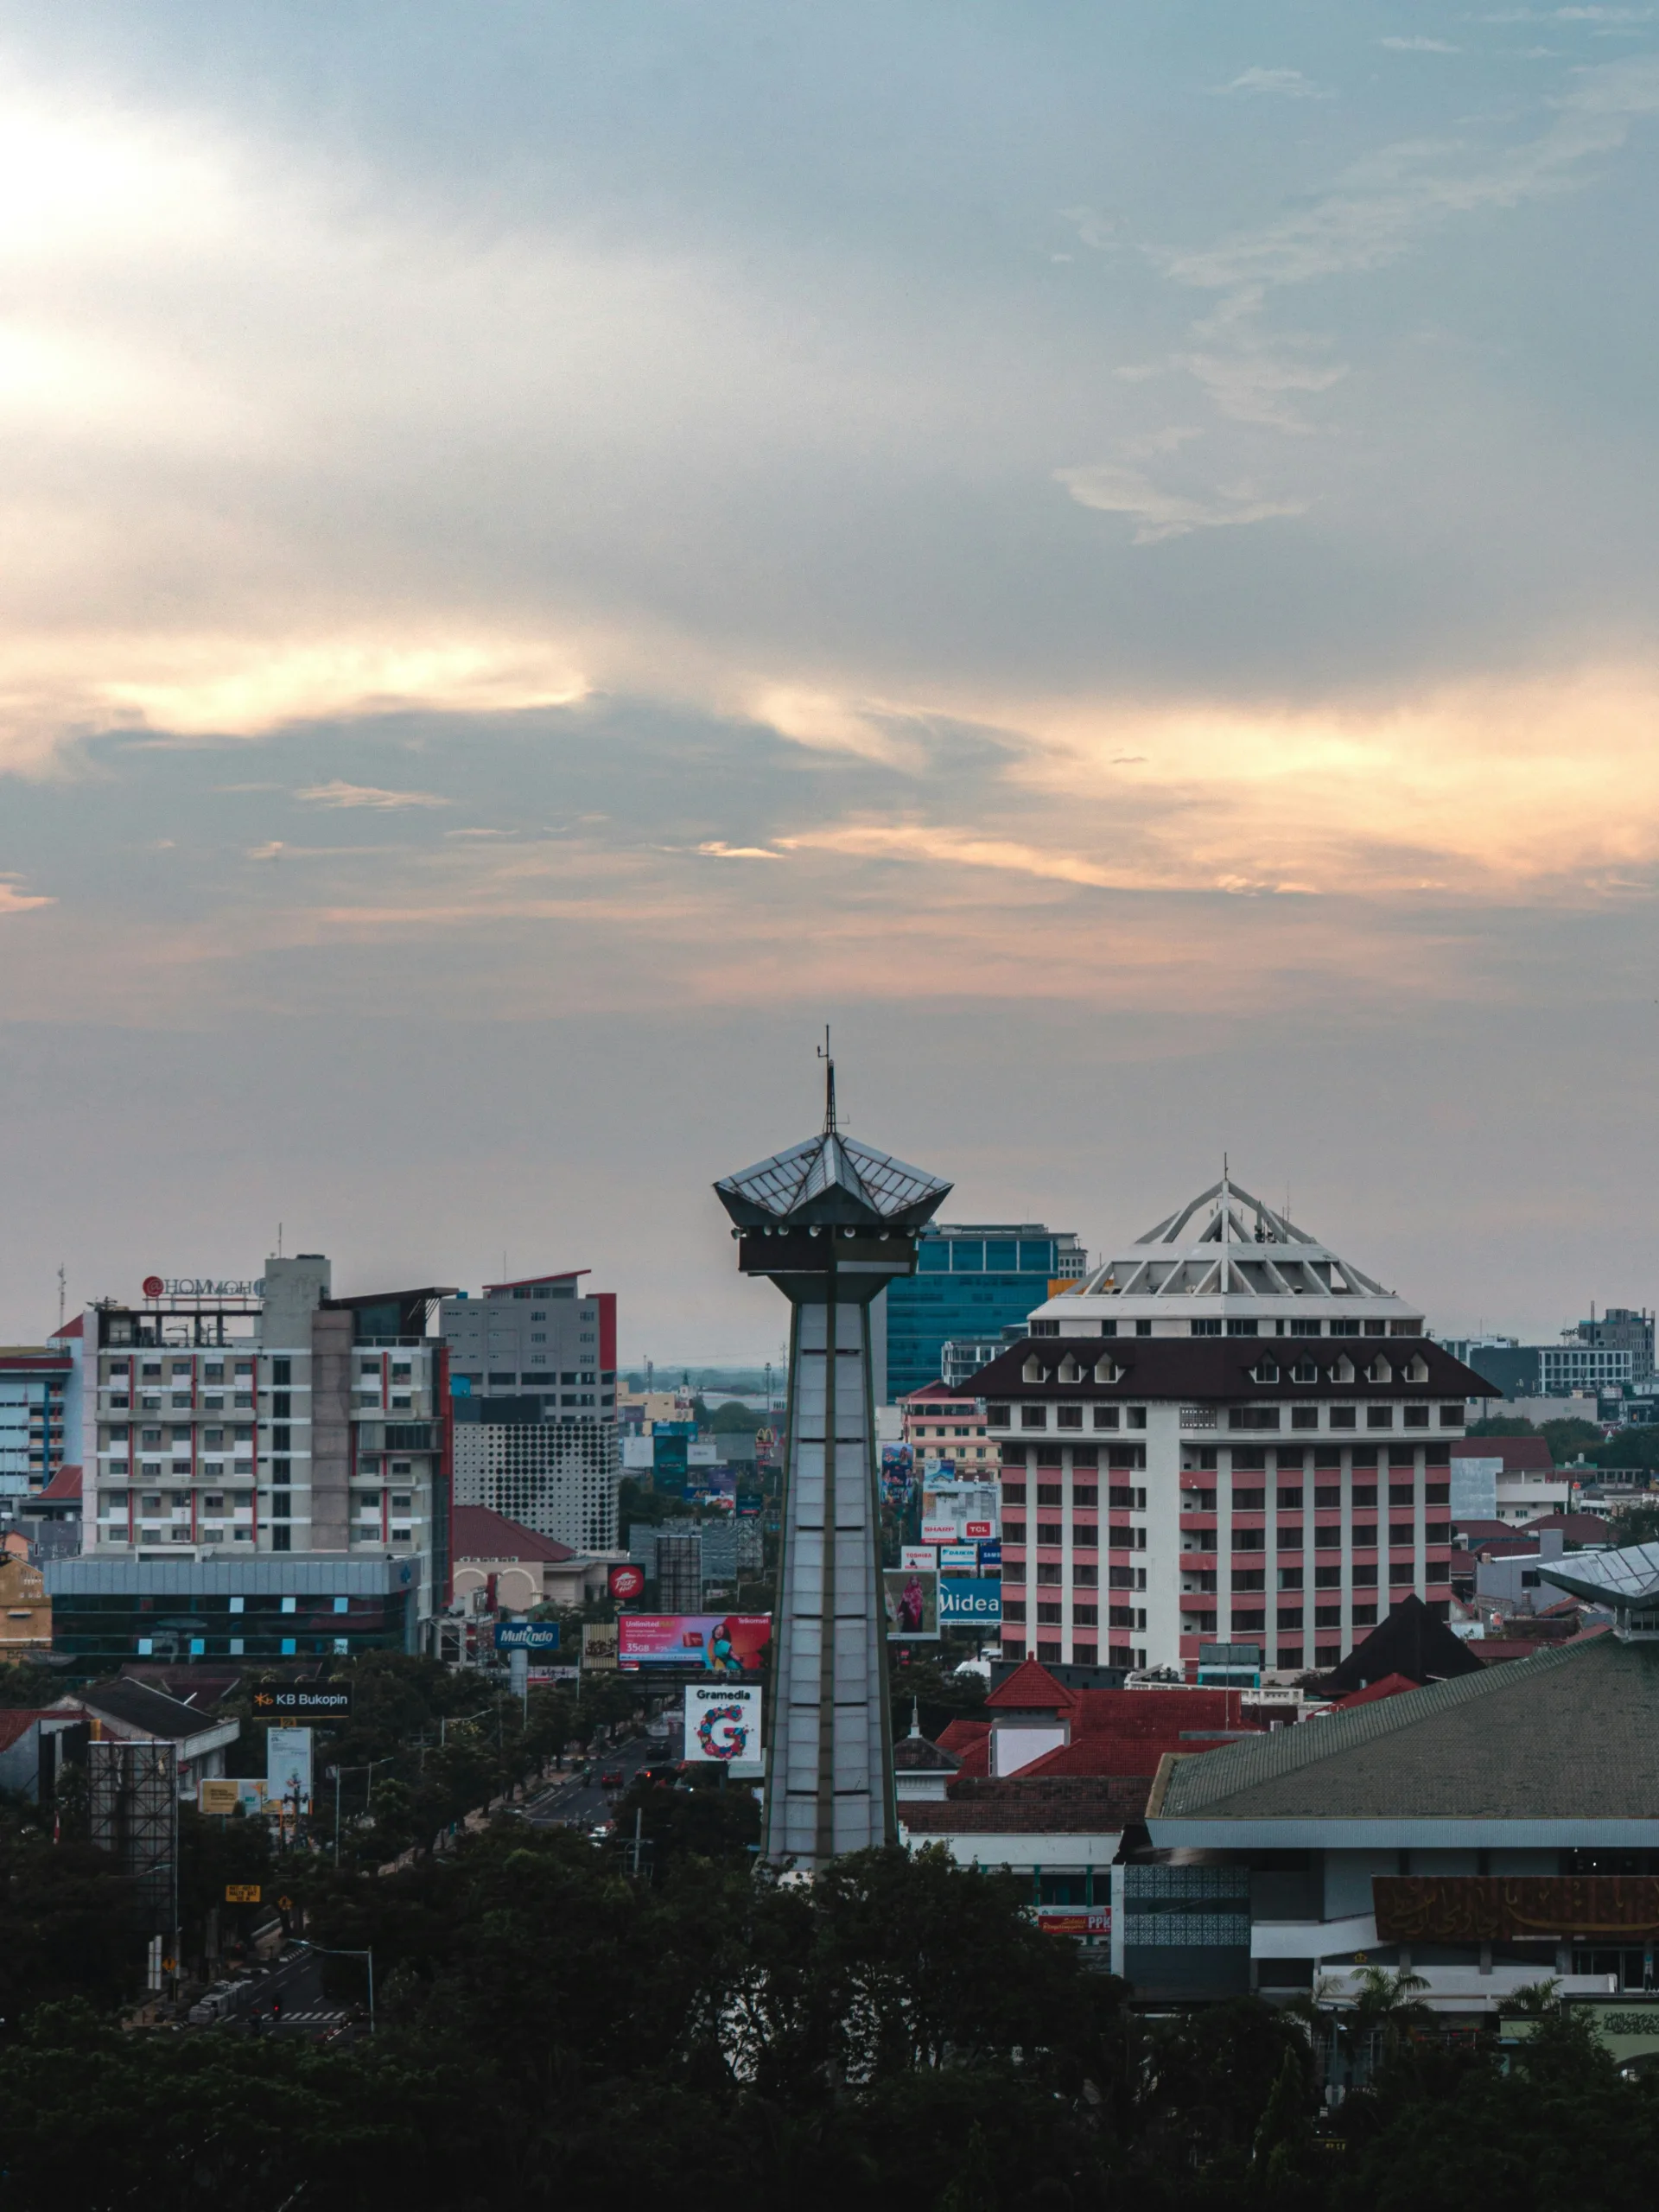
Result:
[[829, 1084], [63, 1280], [279, 1240]]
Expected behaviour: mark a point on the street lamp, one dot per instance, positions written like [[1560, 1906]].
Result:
[[338, 1772]]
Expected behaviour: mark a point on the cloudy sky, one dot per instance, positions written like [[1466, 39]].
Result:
[[549, 551]]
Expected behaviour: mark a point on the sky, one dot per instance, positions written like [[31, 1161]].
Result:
[[548, 552]]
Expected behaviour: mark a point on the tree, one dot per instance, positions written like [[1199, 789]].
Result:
[[1568, 1438], [1636, 1525], [1630, 1447], [68, 1927], [1282, 2151]]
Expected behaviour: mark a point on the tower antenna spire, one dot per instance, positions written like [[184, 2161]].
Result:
[[825, 1055]]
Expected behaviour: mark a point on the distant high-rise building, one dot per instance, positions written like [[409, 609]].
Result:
[[246, 1448], [972, 1278], [1622, 1328], [40, 1414], [533, 1369]]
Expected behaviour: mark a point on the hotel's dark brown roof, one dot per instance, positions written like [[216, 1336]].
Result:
[[1221, 1367]]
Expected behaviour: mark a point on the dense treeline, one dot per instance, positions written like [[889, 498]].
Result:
[[896, 2034]]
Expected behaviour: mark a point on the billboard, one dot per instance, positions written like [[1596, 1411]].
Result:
[[722, 1725], [627, 1581], [912, 1597], [223, 1795], [639, 1454], [898, 1466], [721, 1644], [958, 1559], [1074, 1919], [526, 1636], [970, 1604], [961, 1512], [288, 1764], [303, 1700], [920, 1556], [599, 1646]]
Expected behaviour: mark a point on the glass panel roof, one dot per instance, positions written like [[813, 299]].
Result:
[[1629, 1577], [789, 1178]]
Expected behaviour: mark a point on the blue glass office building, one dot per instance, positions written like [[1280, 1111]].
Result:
[[972, 1280]]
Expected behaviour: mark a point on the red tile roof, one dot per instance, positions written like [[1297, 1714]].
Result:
[[479, 1534], [1592, 1530], [14, 1721], [1044, 1805], [971, 1743], [1530, 1453], [1031, 1687], [1390, 1685], [63, 1486]]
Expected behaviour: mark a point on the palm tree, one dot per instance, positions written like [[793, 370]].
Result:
[[1386, 2008]]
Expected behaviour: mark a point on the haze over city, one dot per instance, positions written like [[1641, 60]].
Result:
[[1107, 554]]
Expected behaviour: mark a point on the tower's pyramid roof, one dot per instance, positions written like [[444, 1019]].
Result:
[[831, 1179]]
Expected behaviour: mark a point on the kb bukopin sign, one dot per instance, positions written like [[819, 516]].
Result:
[[201, 1286]]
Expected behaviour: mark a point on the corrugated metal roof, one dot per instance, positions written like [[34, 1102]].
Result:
[[1571, 1733]]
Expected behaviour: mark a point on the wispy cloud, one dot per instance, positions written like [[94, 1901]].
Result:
[[367, 795], [1114, 487], [1101, 231], [1419, 45], [714, 851], [1285, 84], [962, 848], [14, 901], [1388, 201]]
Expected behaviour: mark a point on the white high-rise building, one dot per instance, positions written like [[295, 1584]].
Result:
[[228, 1420], [1229, 1435]]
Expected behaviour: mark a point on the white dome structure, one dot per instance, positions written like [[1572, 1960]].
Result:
[[1227, 1264]]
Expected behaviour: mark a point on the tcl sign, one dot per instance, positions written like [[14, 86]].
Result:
[[627, 1581]]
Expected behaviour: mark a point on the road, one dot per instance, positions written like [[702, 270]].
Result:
[[294, 1985], [566, 1804]]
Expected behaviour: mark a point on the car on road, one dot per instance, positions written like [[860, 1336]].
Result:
[[612, 1778]]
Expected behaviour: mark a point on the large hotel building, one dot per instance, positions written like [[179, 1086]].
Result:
[[1229, 1435]]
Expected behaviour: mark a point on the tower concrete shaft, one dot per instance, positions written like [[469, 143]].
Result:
[[829, 1781]]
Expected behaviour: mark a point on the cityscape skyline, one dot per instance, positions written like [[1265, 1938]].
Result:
[[24, 1319]]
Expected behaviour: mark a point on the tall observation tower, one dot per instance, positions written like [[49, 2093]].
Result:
[[832, 1221]]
